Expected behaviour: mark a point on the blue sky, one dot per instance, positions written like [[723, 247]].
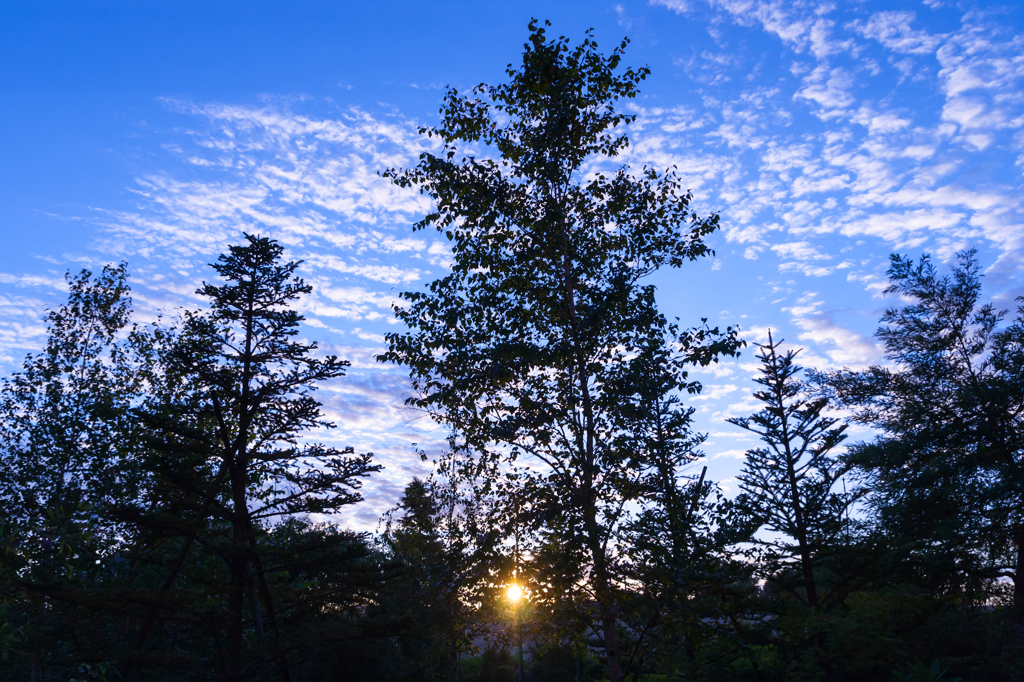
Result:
[[827, 135]]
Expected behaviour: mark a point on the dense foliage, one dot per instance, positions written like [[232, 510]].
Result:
[[542, 346], [161, 485]]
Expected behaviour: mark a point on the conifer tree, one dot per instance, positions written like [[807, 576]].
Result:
[[437, 535], [947, 469], [789, 484], [235, 407]]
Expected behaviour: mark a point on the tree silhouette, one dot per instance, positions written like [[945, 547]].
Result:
[[539, 343], [789, 484], [239, 394], [947, 470]]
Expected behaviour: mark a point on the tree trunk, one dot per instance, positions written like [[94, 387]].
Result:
[[257, 623], [1018, 581], [609, 626], [268, 604], [233, 631], [794, 490], [805, 560], [241, 535]]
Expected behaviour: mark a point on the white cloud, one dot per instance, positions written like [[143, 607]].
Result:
[[730, 454], [799, 251], [844, 346], [829, 88], [715, 392], [894, 30]]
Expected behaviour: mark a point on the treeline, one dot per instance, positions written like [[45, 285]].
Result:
[[160, 483]]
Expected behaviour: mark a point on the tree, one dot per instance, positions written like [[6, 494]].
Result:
[[536, 345], [947, 468], [789, 484], [70, 454], [230, 419], [447, 556]]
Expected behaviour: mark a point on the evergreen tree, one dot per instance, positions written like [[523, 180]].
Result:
[[947, 470], [229, 423], [446, 589], [790, 484]]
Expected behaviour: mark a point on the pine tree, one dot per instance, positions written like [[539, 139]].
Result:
[[790, 484], [230, 420]]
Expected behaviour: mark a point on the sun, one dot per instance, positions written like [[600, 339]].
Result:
[[514, 593]]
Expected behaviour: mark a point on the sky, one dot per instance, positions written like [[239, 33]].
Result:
[[825, 135]]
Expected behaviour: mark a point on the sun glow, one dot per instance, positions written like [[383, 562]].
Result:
[[514, 593]]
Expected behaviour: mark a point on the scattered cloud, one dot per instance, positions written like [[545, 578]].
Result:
[[824, 136]]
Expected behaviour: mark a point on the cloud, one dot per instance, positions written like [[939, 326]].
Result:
[[842, 345], [894, 30], [933, 165], [731, 454], [824, 136], [829, 88], [388, 274], [799, 250], [22, 281], [715, 392]]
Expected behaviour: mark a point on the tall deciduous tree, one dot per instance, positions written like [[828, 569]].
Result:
[[536, 344], [948, 469], [239, 393], [790, 484], [67, 460], [66, 414]]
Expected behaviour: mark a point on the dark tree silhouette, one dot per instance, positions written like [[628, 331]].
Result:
[[239, 393], [948, 471], [789, 484], [537, 343], [70, 457]]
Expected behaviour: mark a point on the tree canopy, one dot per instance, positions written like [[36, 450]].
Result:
[[542, 343], [946, 467]]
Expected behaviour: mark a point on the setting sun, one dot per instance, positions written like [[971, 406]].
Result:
[[514, 593]]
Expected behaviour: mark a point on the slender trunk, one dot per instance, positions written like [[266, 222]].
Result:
[[801, 527], [805, 559], [242, 536], [691, 650], [257, 622], [1018, 581], [602, 589], [610, 631], [233, 631], [794, 489], [602, 585], [241, 525], [268, 603]]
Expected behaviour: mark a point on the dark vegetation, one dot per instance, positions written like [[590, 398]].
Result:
[[160, 483]]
